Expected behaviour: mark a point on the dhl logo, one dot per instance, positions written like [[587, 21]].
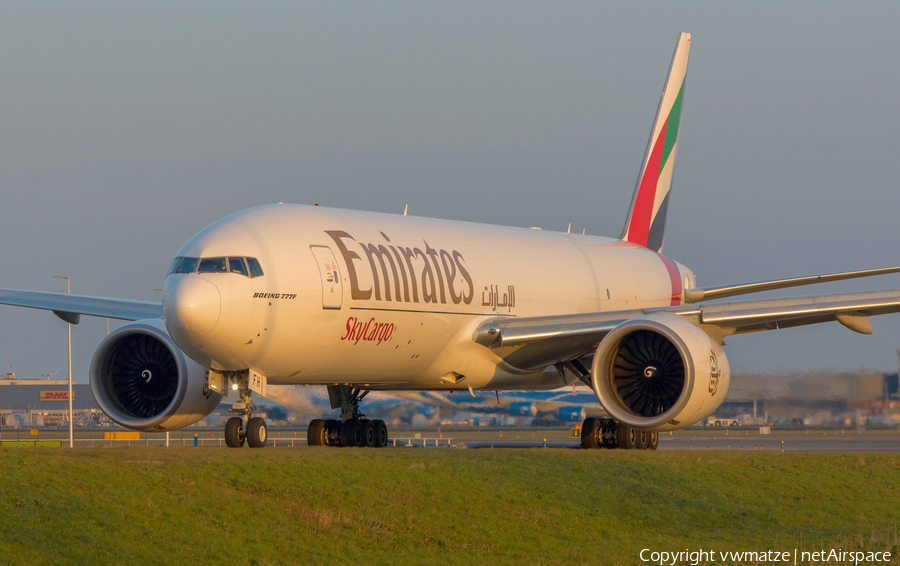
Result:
[[54, 395]]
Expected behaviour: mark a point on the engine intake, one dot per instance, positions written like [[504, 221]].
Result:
[[647, 373], [142, 380], [659, 372], [143, 375]]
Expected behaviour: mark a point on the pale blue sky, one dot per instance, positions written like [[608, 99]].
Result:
[[126, 128]]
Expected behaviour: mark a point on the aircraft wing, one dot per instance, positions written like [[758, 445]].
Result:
[[720, 292], [70, 307], [538, 342]]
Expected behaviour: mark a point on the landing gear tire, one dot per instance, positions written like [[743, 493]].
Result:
[[234, 435], [628, 437], [317, 433], [591, 433], [368, 433], [351, 434], [653, 441], [643, 439], [381, 433], [257, 432]]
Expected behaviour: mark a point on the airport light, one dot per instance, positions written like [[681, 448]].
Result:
[[69, 324]]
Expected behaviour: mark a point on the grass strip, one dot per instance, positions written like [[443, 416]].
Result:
[[155, 505]]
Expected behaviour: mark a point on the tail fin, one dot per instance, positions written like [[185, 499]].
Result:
[[646, 222]]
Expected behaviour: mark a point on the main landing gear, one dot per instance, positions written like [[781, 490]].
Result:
[[354, 429], [608, 433], [244, 427]]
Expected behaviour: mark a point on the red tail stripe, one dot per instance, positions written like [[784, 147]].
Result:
[[639, 227], [674, 278]]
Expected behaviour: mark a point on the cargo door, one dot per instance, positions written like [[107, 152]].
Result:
[[332, 289]]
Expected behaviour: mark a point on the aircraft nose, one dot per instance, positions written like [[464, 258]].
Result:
[[192, 304]]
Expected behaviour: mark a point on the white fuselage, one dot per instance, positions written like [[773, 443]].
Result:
[[391, 302]]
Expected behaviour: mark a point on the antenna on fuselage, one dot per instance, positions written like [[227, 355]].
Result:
[[569, 229], [405, 209]]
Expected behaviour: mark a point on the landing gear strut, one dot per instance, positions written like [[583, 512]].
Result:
[[244, 427], [608, 433], [354, 429]]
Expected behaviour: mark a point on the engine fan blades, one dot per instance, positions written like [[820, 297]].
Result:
[[144, 375], [648, 373]]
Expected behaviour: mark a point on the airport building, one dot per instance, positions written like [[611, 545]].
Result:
[[44, 402], [814, 398]]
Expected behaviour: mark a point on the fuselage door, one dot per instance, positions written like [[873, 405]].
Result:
[[332, 289]]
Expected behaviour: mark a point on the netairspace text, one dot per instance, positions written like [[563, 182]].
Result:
[[696, 557]]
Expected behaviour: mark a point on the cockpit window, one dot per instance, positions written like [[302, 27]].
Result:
[[237, 265], [187, 265], [246, 266], [175, 263], [255, 269], [212, 265]]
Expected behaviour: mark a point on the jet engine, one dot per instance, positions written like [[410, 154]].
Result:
[[142, 380], [659, 372]]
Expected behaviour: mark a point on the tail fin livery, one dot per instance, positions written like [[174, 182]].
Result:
[[647, 217]]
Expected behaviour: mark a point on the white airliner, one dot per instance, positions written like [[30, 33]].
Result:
[[359, 302]]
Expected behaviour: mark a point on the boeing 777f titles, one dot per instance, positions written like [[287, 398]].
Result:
[[358, 302]]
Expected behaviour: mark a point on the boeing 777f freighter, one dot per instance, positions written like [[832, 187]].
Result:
[[357, 302]]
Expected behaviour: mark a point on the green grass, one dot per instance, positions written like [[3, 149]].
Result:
[[409, 506]]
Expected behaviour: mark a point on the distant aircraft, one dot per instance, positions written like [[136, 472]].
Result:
[[359, 302]]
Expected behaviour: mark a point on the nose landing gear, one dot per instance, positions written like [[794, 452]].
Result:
[[355, 430], [244, 427]]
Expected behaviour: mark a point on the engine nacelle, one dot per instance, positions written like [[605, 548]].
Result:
[[659, 372], [142, 380]]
